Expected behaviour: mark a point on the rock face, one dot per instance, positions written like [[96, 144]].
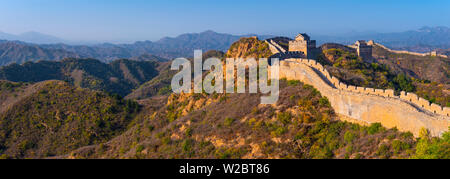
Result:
[[369, 105], [249, 48]]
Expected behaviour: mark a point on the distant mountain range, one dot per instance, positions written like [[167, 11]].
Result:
[[20, 52], [422, 40], [168, 47], [161, 50], [31, 37]]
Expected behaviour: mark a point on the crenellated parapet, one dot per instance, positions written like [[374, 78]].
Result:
[[423, 103], [410, 97], [407, 112], [408, 52], [274, 47]]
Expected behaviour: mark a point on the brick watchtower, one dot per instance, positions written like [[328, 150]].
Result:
[[303, 43]]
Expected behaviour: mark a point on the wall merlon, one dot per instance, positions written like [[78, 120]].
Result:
[[379, 92], [352, 88], [326, 71], [424, 103], [404, 96], [413, 97], [326, 74], [335, 81], [342, 86], [436, 108], [360, 89], [312, 62], [390, 93], [446, 111], [319, 67], [369, 90]]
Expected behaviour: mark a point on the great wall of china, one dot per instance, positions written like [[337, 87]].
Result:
[[407, 52], [274, 47], [406, 112]]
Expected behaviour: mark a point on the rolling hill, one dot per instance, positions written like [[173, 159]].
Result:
[[119, 77], [53, 118], [19, 52]]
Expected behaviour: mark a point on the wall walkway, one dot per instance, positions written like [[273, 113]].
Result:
[[407, 112]]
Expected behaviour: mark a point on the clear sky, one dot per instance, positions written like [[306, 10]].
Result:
[[130, 20]]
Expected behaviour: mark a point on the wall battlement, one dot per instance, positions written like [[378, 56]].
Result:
[[411, 97], [303, 43], [408, 112], [274, 47], [408, 52]]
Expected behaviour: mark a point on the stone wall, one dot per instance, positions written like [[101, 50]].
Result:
[[408, 52], [281, 49], [303, 43], [407, 112], [300, 46], [274, 47]]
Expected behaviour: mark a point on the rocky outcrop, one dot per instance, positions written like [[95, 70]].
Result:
[[250, 47]]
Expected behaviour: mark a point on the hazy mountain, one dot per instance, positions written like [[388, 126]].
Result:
[[424, 39], [103, 52], [31, 37], [183, 45], [161, 50], [19, 52], [6, 36]]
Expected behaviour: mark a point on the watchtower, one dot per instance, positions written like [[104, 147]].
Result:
[[364, 50], [303, 43]]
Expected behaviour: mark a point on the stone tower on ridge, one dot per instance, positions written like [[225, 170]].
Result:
[[364, 50], [303, 43]]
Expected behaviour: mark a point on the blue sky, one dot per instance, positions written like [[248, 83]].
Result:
[[130, 20]]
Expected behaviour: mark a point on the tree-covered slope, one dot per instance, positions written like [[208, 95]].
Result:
[[120, 76], [57, 118], [301, 125]]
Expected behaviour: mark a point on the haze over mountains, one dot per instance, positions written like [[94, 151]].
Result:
[[424, 39], [166, 48], [31, 37], [34, 46], [44, 105]]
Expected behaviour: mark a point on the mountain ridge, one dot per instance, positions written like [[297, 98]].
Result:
[[435, 38], [31, 37], [424, 39]]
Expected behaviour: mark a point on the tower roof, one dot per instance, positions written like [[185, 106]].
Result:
[[302, 36], [361, 42]]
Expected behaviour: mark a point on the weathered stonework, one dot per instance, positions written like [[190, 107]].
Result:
[[407, 112], [364, 50], [303, 43], [274, 47], [433, 53]]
